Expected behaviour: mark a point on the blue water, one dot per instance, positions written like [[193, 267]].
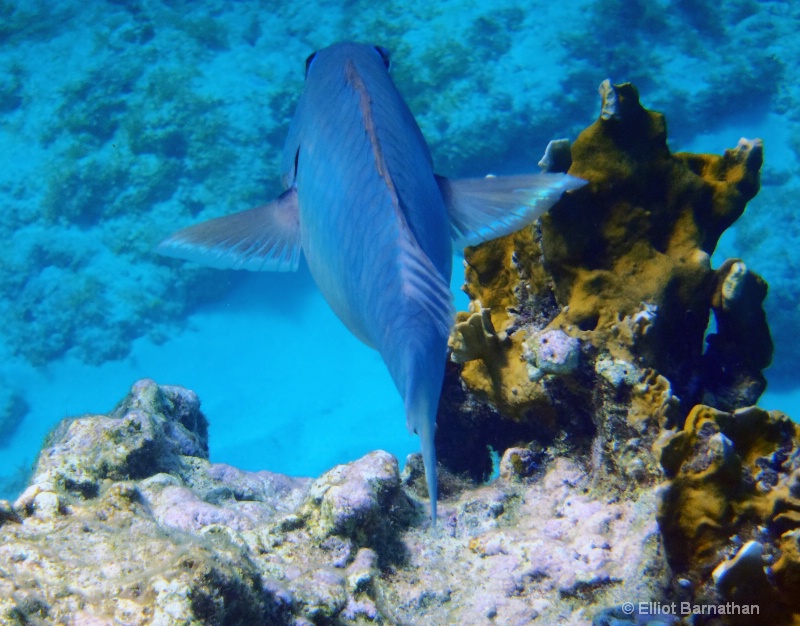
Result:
[[121, 122]]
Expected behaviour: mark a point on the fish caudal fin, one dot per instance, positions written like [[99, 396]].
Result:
[[486, 208], [423, 388], [266, 238], [431, 474]]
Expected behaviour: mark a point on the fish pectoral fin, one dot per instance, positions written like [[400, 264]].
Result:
[[486, 208], [265, 238]]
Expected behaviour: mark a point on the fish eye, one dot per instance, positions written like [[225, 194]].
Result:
[[308, 61], [384, 55]]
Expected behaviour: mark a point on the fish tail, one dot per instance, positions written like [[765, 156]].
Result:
[[431, 474], [414, 348], [422, 402]]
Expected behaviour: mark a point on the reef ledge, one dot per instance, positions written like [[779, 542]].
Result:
[[127, 521]]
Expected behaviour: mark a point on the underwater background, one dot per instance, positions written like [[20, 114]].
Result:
[[121, 122]]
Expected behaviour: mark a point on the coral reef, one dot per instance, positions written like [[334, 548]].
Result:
[[624, 348], [126, 520], [730, 512], [128, 144], [605, 362], [646, 41], [617, 281], [13, 408], [210, 543]]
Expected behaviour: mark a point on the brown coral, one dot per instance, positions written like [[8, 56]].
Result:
[[636, 240], [623, 266], [733, 478]]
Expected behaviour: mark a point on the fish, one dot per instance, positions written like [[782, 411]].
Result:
[[376, 225]]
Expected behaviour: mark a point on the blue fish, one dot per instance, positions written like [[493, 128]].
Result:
[[377, 226]]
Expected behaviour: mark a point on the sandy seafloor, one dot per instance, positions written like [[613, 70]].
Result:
[[284, 385]]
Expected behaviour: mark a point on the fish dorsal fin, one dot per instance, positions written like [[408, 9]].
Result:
[[265, 238], [485, 208]]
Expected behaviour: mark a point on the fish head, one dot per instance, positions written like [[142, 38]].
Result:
[[335, 56], [325, 71]]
